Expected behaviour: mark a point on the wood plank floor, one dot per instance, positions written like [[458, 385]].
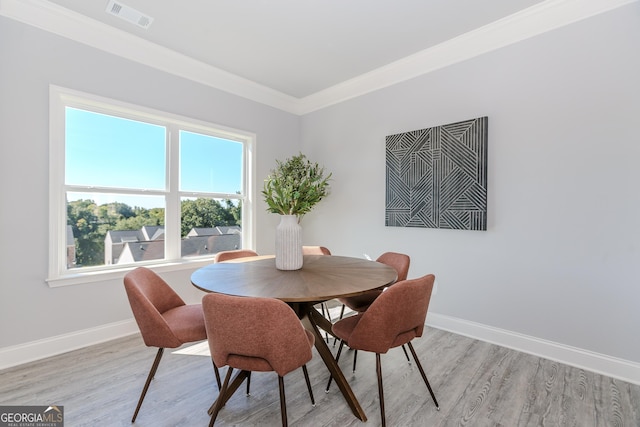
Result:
[[476, 383]]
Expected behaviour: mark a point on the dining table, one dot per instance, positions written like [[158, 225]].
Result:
[[321, 278]]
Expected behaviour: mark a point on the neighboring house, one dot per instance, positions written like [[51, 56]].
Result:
[[216, 231], [71, 247], [115, 241], [153, 232], [128, 246]]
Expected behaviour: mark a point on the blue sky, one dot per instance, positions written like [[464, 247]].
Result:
[[107, 151]]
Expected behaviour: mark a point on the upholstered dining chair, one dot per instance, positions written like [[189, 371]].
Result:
[[320, 250], [400, 262], [315, 250], [383, 326], [234, 254], [238, 253], [255, 334], [165, 321]]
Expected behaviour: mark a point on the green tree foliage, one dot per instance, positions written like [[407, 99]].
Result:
[[90, 222], [83, 216], [140, 218], [206, 213]]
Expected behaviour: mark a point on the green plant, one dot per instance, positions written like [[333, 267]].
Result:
[[295, 186]]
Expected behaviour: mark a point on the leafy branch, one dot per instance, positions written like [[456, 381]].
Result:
[[295, 186]]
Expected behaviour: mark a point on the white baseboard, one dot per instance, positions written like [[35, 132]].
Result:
[[602, 364], [40, 349], [599, 363]]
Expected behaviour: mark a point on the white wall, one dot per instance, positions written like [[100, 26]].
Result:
[[560, 260], [31, 60]]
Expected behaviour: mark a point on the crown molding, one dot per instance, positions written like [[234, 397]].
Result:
[[530, 22], [538, 19], [72, 25]]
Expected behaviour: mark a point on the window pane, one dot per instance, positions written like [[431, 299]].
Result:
[[209, 164], [105, 229], [108, 151], [209, 226]]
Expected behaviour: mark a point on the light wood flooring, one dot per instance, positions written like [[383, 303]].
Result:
[[476, 383]]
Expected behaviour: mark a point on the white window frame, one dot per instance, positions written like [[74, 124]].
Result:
[[59, 99]]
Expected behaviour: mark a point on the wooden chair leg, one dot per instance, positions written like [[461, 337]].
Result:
[[283, 401], [380, 390], [424, 376], [217, 372], [337, 358], [306, 378], [152, 374], [220, 401]]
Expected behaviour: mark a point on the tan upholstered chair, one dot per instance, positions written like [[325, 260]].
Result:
[[255, 334], [234, 254], [238, 253], [319, 250], [396, 260], [165, 321], [315, 250], [384, 326], [360, 303]]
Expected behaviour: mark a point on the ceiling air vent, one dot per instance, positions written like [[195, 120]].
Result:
[[129, 14]]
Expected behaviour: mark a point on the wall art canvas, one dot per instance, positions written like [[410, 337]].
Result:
[[437, 177]]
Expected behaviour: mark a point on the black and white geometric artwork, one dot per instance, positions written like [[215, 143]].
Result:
[[437, 177]]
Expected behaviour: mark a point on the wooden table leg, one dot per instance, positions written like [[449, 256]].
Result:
[[311, 320]]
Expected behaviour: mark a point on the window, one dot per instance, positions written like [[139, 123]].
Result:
[[134, 186]]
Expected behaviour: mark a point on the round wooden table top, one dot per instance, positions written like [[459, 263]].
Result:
[[321, 278]]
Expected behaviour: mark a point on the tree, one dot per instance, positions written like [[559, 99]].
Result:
[[207, 213], [90, 222], [82, 215]]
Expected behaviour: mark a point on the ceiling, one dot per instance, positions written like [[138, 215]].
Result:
[[303, 55], [299, 47]]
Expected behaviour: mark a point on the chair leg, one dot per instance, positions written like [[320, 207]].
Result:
[[326, 313], [380, 390], [337, 358], [424, 376], [152, 374], [248, 383], [306, 378], [215, 370], [340, 318], [219, 401], [406, 354], [283, 401], [355, 359]]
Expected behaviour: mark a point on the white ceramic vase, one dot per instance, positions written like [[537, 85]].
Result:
[[288, 243]]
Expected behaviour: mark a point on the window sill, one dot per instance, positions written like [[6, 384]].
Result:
[[81, 278]]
